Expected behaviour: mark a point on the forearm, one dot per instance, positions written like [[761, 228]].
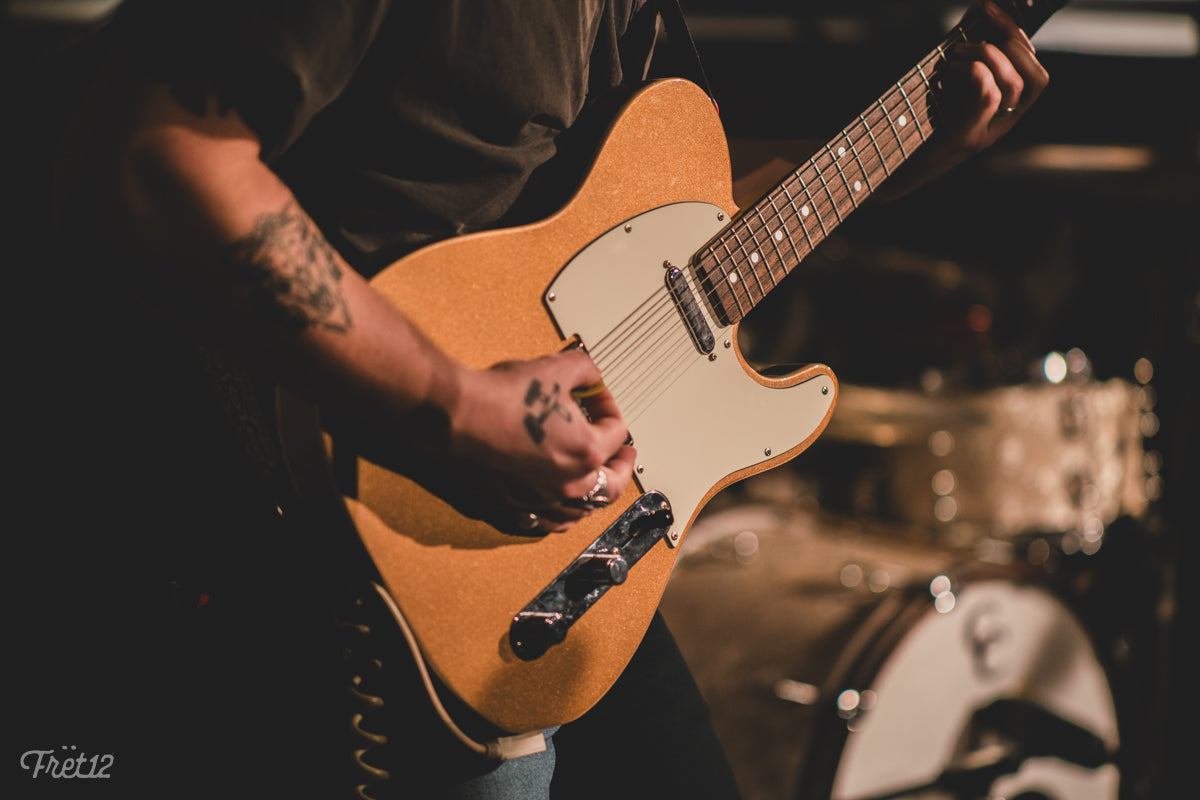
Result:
[[214, 231]]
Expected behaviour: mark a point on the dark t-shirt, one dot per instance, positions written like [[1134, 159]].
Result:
[[167, 615], [400, 124]]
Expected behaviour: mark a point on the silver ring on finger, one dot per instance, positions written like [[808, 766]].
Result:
[[1007, 111], [598, 496]]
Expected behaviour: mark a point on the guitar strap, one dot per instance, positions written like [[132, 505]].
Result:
[[677, 31]]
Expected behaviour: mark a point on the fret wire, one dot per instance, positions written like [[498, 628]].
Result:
[[930, 93], [787, 233], [725, 290], [740, 273], [861, 167], [882, 160], [842, 175], [900, 95], [799, 218], [911, 110], [774, 243], [888, 117], [718, 290], [825, 184], [732, 284], [749, 261], [922, 93], [813, 210]]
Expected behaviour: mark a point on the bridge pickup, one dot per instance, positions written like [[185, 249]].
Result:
[[689, 309], [604, 564]]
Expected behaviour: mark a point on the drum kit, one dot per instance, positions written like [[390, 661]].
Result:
[[921, 605]]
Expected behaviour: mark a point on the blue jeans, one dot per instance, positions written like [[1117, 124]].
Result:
[[524, 778]]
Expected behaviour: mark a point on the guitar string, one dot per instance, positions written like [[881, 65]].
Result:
[[823, 207], [651, 362], [633, 327], [919, 104], [631, 403], [897, 99], [726, 288]]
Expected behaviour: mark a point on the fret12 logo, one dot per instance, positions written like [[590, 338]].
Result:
[[66, 764]]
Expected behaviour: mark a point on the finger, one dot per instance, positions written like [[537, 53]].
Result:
[[990, 76], [1034, 77], [599, 405], [604, 484], [1003, 32], [1004, 28], [579, 370]]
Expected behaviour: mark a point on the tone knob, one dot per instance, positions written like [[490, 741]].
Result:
[[532, 633]]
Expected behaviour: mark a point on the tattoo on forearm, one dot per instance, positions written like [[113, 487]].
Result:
[[292, 273], [542, 405]]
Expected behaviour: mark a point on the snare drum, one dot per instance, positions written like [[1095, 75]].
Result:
[[1063, 458], [844, 663]]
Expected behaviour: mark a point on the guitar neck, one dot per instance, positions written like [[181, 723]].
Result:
[[768, 240]]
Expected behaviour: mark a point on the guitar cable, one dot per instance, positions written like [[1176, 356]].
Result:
[[363, 665], [503, 748], [366, 670]]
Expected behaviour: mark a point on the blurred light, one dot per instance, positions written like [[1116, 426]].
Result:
[[1010, 451], [847, 703], [945, 509], [943, 596], [1054, 366], [943, 482], [1077, 362], [944, 603], [1080, 158], [979, 319], [1120, 33], [1154, 487], [932, 381], [851, 575], [1098, 31], [743, 27], [941, 443], [1147, 397], [1143, 370], [1038, 552], [804, 694], [745, 547], [993, 551], [1149, 424], [69, 11], [879, 581]]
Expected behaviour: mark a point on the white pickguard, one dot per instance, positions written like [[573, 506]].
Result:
[[695, 420]]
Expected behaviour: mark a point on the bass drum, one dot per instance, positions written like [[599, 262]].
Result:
[[847, 663]]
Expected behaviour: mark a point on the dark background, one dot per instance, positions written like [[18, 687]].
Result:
[[1062, 250]]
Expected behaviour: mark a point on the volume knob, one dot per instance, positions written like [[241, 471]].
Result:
[[600, 569]]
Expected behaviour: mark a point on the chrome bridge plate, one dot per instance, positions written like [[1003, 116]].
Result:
[[604, 564]]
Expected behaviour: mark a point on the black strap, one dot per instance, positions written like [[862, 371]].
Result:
[[677, 30]]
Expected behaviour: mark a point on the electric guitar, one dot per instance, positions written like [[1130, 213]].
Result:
[[650, 266]]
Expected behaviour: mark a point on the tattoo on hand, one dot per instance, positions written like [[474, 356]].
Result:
[[292, 273], [543, 404]]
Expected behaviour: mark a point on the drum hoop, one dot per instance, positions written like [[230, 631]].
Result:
[[867, 652]]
